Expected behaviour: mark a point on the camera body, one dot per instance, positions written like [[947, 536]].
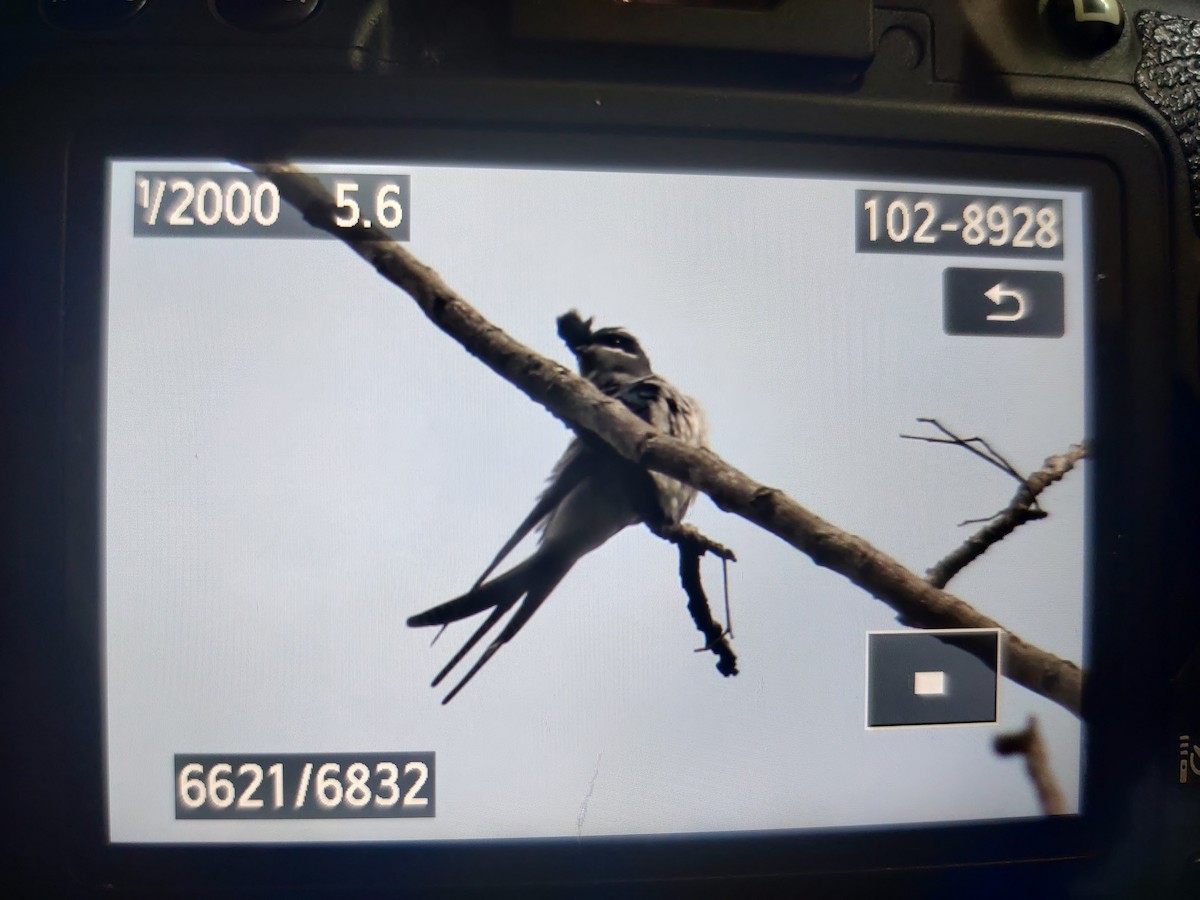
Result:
[[1096, 96]]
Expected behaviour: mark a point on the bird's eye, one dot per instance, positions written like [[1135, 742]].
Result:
[[618, 341]]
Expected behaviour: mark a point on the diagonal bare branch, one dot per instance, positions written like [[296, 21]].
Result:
[[589, 412]]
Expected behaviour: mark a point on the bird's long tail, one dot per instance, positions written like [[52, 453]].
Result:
[[534, 579]]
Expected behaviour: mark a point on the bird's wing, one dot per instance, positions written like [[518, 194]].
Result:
[[668, 410], [566, 474], [674, 413]]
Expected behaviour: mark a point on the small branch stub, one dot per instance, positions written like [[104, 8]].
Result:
[[1029, 744]]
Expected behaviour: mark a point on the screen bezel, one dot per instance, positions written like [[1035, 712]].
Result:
[[1124, 371]]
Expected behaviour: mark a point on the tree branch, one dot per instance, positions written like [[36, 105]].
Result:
[[685, 536], [1028, 742], [714, 635], [585, 409], [692, 546], [1021, 509]]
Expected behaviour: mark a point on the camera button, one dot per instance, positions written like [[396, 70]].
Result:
[[90, 15], [265, 15], [1086, 26], [1003, 303], [932, 677]]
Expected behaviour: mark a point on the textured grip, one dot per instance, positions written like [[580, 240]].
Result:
[[1169, 77]]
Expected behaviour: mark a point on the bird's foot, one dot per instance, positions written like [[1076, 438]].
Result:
[[686, 535]]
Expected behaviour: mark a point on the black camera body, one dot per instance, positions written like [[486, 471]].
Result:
[[1094, 97]]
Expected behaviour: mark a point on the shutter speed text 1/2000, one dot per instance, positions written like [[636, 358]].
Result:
[[239, 204]]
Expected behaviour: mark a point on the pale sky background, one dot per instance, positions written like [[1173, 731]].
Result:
[[297, 461]]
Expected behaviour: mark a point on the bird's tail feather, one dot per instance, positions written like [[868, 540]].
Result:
[[472, 641], [501, 592], [541, 584], [534, 580]]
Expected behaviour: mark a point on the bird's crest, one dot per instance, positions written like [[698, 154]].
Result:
[[574, 329]]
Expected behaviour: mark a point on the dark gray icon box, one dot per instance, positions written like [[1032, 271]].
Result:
[[943, 677], [1003, 303]]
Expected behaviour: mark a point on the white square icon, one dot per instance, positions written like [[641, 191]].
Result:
[[927, 684]]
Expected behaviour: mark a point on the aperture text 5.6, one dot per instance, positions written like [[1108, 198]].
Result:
[[304, 786]]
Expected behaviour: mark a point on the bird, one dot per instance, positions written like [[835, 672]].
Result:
[[592, 493]]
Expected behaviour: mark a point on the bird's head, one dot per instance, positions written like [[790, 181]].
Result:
[[602, 351]]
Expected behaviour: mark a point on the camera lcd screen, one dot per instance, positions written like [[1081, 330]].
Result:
[[296, 462]]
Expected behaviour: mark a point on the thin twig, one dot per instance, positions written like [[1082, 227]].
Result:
[[992, 456], [589, 412], [725, 583], [1028, 743]]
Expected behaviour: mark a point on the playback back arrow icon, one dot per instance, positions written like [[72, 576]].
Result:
[[997, 294]]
